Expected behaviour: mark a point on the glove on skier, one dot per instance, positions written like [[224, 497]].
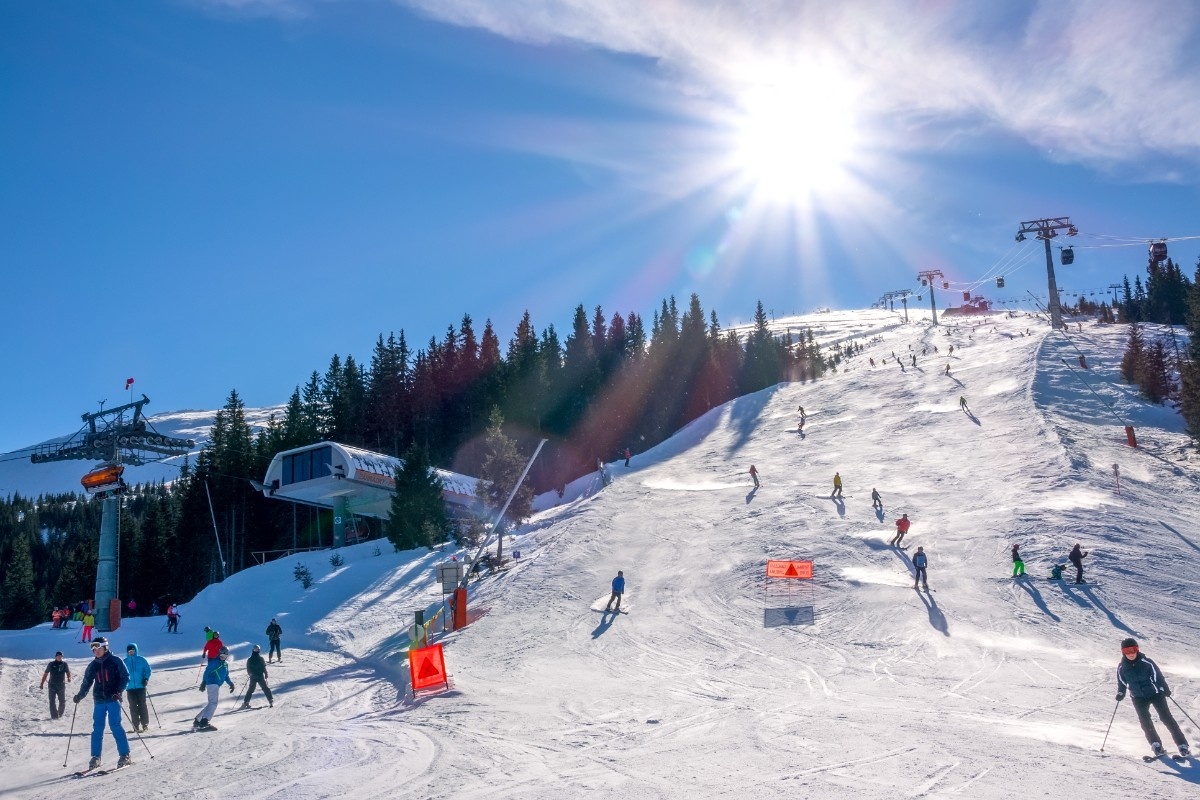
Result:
[[77, 698], [1120, 697], [116, 698], [1167, 692], [202, 687], [231, 688]]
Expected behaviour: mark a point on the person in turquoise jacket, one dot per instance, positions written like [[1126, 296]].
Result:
[[139, 680], [216, 674]]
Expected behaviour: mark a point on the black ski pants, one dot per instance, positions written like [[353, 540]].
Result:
[[275, 651], [139, 715], [1159, 701], [1078, 571], [921, 577], [58, 699], [172, 624], [258, 680]]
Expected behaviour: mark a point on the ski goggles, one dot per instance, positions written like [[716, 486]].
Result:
[[1130, 651]]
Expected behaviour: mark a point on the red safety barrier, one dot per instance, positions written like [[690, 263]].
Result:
[[1129, 437], [789, 569], [427, 667]]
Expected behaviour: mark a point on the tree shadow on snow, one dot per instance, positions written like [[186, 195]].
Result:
[[936, 618], [745, 413], [1186, 540], [1037, 599]]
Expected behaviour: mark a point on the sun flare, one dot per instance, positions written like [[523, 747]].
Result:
[[796, 136]]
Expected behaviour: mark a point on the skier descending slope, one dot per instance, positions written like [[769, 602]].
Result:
[[108, 675], [216, 674], [1142, 678]]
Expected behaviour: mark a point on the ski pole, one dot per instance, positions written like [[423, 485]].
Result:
[[72, 733], [1110, 722], [135, 730], [155, 710], [1189, 716]]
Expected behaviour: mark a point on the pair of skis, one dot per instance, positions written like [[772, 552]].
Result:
[[91, 773], [1178, 758]]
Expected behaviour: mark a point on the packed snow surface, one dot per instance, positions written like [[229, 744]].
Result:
[[986, 687]]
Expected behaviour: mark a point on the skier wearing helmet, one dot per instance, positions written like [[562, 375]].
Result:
[[216, 674], [1142, 678], [107, 677]]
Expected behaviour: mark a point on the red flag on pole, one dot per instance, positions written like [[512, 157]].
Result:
[[128, 382]]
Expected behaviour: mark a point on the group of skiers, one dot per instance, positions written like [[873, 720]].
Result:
[[111, 680]]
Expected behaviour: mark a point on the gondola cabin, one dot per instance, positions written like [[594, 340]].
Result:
[[1067, 256], [1158, 251]]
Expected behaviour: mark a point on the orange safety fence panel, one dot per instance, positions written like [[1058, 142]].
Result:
[[789, 569], [427, 667]]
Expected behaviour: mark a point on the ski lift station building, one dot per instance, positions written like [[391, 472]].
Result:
[[353, 482]]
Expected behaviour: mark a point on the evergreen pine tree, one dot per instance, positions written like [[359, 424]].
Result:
[[418, 510], [21, 602], [1135, 354], [502, 467]]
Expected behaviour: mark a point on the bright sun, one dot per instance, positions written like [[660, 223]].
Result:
[[796, 136]]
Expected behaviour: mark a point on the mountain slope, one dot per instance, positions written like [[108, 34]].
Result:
[[986, 686]]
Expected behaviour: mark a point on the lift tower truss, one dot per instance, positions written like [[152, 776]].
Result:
[[1047, 229], [902, 296], [114, 437], [927, 277]]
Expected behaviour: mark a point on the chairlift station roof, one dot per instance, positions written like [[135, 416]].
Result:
[[322, 474]]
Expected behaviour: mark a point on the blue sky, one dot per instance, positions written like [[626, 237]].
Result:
[[215, 195]]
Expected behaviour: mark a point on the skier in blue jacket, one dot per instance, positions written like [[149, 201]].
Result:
[[107, 677], [618, 589], [216, 674], [139, 680], [1142, 678], [920, 561]]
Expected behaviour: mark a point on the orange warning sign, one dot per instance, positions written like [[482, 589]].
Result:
[[789, 569], [427, 667]]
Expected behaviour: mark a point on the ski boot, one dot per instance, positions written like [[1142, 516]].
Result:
[[94, 763], [1157, 748], [1184, 750], [124, 761]]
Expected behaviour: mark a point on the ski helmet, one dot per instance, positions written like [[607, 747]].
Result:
[[1129, 643], [99, 641], [257, 649]]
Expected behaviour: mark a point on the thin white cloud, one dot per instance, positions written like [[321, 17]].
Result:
[[1093, 81]]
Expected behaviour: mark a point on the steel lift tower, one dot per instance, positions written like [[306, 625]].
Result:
[[927, 277], [1047, 229], [114, 437], [901, 295]]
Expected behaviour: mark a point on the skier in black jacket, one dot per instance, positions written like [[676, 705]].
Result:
[[274, 632], [1076, 557], [59, 673], [256, 669], [108, 675], [1142, 678]]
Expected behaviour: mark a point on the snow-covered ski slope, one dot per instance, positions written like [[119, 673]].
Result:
[[985, 688]]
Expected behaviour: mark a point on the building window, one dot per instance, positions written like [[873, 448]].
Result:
[[306, 465]]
